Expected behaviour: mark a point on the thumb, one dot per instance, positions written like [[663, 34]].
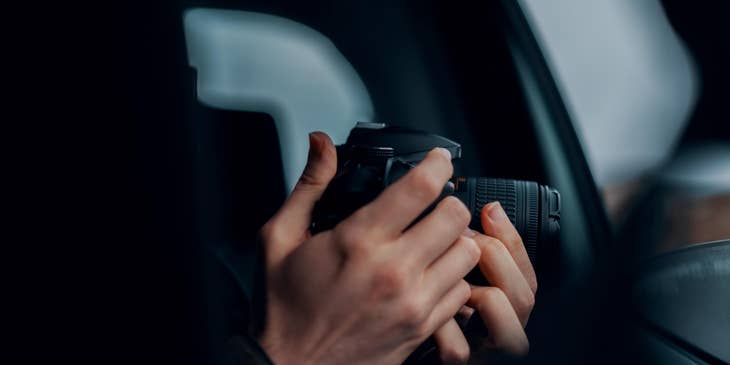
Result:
[[321, 167], [295, 215]]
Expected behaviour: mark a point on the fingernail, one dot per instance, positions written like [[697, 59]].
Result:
[[315, 142], [444, 152], [496, 213], [469, 233]]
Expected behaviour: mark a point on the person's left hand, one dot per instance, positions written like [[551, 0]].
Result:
[[505, 306]]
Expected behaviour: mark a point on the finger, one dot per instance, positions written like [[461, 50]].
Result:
[[451, 267], [505, 331], [500, 270], [448, 305], [496, 224], [436, 232], [399, 205], [290, 224], [451, 343]]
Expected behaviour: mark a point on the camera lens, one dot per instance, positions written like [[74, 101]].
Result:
[[532, 208]]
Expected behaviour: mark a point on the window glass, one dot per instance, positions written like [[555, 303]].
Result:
[[633, 87]]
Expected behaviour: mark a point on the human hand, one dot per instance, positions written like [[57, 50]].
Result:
[[366, 291], [505, 306]]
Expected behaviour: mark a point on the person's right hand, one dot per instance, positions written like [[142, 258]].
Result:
[[367, 291]]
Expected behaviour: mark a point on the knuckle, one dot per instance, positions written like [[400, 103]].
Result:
[[421, 331], [350, 238], [455, 354], [456, 209], [442, 160], [359, 251], [491, 296], [425, 183], [491, 246], [464, 291], [358, 226], [353, 244], [472, 250], [413, 314], [525, 303], [389, 281]]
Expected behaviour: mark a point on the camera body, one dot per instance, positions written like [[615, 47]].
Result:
[[375, 155]]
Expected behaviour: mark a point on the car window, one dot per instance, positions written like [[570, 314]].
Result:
[[635, 87]]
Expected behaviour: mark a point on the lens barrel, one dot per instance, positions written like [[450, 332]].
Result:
[[532, 208]]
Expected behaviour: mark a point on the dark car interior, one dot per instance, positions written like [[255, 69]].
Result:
[[474, 73]]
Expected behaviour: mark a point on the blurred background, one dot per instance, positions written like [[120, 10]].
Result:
[[619, 104]]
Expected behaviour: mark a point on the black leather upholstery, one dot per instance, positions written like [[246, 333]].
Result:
[[683, 298]]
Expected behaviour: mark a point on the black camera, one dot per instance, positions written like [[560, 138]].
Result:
[[376, 155]]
